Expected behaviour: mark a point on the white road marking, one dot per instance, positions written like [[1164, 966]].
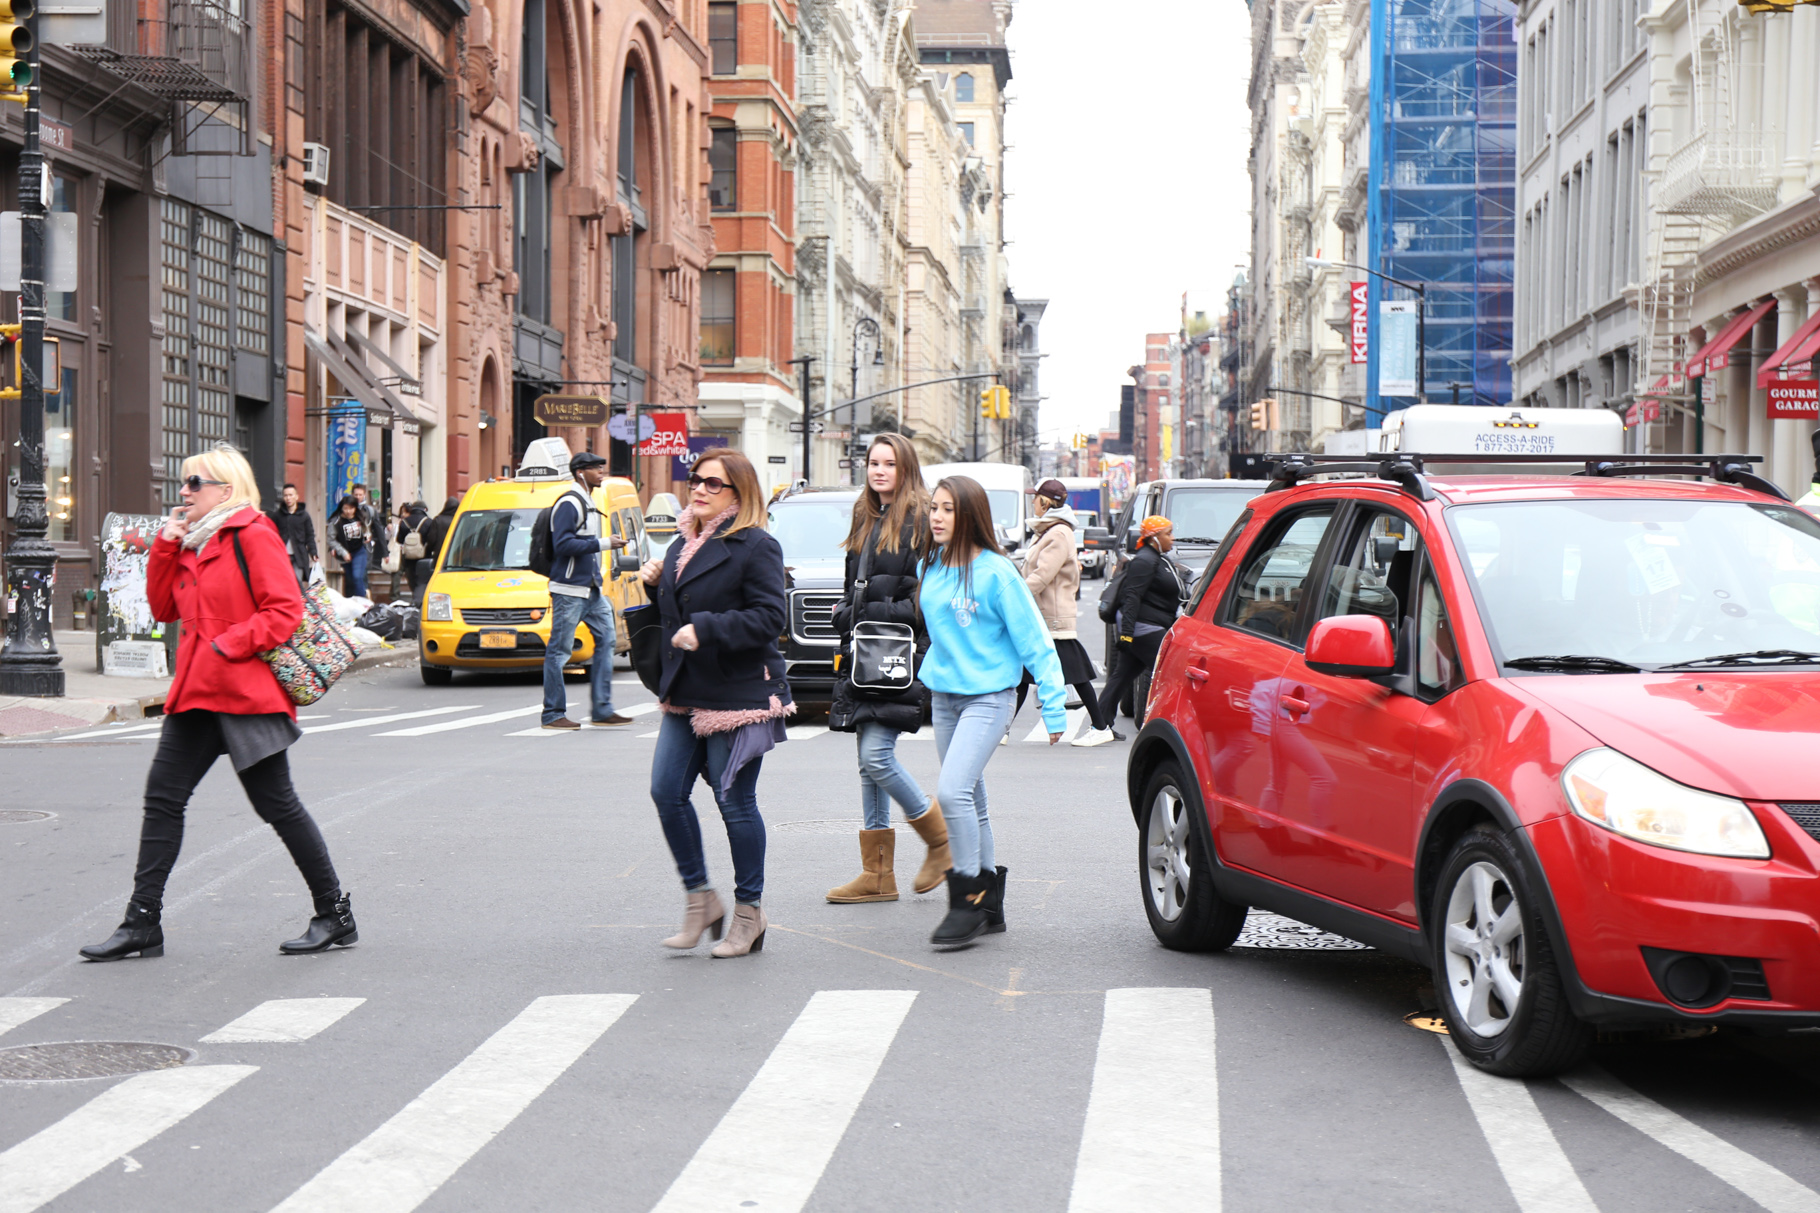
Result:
[[772, 1146], [1774, 1190], [805, 732], [1536, 1168], [283, 1021], [1153, 1118], [315, 716], [466, 722], [637, 709], [403, 1161], [652, 733], [107, 1127], [15, 1011], [1041, 731], [367, 722], [538, 730], [113, 731]]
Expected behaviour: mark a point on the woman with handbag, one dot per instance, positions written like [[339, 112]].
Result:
[[1052, 570], [223, 698], [723, 692], [888, 537], [984, 630], [1150, 594]]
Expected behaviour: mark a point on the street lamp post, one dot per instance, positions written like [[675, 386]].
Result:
[[865, 324], [1421, 313], [808, 426]]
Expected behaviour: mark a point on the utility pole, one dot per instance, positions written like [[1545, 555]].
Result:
[[29, 661], [808, 426]]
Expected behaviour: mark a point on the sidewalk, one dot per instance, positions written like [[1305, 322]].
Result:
[[92, 698]]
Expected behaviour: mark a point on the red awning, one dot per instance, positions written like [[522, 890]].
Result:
[[1646, 408], [1796, 350], [1715, 355]]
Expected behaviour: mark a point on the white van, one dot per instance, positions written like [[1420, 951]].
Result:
[[1009, 488], [1448, 429]]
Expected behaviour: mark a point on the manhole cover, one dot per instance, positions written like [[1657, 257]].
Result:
[[17, 815], [1274, 931], [86, 1059], [834, 825]]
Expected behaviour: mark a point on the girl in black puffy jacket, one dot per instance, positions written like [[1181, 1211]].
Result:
[[888, 538], [1150, 597]]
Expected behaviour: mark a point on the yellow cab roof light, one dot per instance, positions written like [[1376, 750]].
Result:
[[545, 459]]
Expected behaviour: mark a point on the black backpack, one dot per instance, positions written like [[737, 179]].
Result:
[[1109, 597], [542, 554]]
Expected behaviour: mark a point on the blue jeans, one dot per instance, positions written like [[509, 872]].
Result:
[[882, 778], [355, 573], [682, 758], [967, 732], [566, 611]]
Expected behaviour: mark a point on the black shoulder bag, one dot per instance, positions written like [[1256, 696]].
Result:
[[883, 661]]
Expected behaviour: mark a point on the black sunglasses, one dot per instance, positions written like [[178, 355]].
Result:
[[194, 483], [714, 484]]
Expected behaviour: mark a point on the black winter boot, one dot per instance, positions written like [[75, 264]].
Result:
[[994, 905], [139, 932], [966, 917], [333, 924]]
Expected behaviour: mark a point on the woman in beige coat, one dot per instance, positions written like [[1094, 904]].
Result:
[[1052, 570]]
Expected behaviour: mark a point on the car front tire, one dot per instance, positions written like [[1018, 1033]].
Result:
[[1499, 987], [435, 675], [1175, 873]]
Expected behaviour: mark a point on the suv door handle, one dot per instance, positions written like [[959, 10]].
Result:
[[1294, 706], [1196, 674]]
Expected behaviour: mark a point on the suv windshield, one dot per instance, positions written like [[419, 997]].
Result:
[[1203, 515], [1648, 582], [1004, 508], [485, 540], [811, 530]]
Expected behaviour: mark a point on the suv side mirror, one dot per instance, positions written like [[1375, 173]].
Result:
[[1351, 646], [1097, 539]]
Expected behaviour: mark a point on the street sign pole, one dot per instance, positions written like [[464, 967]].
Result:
[[808, 430], [29, 661]]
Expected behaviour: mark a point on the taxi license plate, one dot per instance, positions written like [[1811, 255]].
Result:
[[499, 638]]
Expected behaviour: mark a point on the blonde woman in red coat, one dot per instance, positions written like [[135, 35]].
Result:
[[223, 698]]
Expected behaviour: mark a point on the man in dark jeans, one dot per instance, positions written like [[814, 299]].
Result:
[[292, 518], [576, 543]]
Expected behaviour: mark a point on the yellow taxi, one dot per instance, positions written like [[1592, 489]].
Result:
[[484, 609]]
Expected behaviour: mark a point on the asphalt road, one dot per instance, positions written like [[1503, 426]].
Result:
[[512, 1037]]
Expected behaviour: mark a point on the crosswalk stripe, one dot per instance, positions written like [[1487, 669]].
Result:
[[15, 1011], [113, 731], [770, 1149], [1041, 731], [805, 732], [466, 722], [283, 1021], [373, 720], [637, 709], [1536, 1169], [1769, 1187], [403, 1161], [1153, 1116], [115, 1122]]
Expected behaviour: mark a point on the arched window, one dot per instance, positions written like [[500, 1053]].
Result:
[[1029, 338], [963, 87]]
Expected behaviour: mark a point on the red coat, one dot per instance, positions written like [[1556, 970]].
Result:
[[224, 629]]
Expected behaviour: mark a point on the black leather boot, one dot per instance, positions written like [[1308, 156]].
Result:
[[333, 925], [994, 905], [139, 932], [966, 917]]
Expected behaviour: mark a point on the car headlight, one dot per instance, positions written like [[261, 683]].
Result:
[[437, 608], [1628, 798]]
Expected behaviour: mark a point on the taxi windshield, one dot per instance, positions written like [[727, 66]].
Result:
[[811, 530], [1644, 583], [487, 540]]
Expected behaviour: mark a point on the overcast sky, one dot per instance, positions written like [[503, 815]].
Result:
[[1125, 181]]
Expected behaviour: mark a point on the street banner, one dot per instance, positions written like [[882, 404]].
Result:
[[1794, 399], [669, 435], [680, 464], [1361, 322], [1397, 348], [620, 426], [347, 453]]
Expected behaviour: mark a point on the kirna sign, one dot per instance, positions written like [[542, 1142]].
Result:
[[1361, 323]]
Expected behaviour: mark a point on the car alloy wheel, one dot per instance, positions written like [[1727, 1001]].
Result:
[[1484, 945], [1167, 861]]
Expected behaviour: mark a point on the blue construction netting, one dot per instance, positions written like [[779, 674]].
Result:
[[1443, 188]]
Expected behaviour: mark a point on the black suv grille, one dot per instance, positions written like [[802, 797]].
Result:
[[1805, 815], [497, 615], [812, 616]]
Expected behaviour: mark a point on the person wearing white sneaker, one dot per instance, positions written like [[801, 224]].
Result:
[[1052, 570]]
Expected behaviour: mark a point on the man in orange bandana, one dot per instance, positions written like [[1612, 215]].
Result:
[[1150, 597]]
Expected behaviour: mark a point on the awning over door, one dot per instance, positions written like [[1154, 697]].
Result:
[[357, 376], [1800, 349], [1715, 355]]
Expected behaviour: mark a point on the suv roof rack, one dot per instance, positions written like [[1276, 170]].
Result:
[[1408, 468]]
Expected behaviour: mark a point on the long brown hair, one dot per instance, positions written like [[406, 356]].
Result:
[[973, 529], [744, 479], [909, 505]]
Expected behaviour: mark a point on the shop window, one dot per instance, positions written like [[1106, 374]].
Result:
[[723, 38], [60, 459], [253, 293], [723, 162], [717, 316], [61, 305]]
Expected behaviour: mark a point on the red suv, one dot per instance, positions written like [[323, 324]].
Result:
[[1552, 736]]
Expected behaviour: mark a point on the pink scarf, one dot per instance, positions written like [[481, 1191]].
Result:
[[695, 535]]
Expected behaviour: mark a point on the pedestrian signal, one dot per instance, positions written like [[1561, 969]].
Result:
[[15, 47]]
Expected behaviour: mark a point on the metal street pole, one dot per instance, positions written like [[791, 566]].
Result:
[[863, 324], [808, 426], [1421, 314], [29, 661]]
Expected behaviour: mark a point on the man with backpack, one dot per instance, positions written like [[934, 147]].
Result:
[[413, 544], [575, 544]]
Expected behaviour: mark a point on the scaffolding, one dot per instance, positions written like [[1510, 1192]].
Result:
[[1442, 193]]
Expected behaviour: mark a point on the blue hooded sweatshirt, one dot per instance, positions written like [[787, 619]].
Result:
[[984, 635]]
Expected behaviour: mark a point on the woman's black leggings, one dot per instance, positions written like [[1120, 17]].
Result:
[[1128, 661], [188, 747], [1083, 689]]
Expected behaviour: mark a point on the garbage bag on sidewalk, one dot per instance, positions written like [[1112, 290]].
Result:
[[384, 621]]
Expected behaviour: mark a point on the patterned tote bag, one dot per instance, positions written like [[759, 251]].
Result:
[[318, 652]]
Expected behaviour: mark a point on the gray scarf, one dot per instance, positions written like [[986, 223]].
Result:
[[205, 527]]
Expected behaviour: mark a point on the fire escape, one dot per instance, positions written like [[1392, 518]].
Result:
[[194, 55]]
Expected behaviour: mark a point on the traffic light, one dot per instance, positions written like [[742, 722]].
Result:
[[1257, 415], [988, 400], [12, 380], [995, 401], [10, 334], [1002, 395], [15, 47]]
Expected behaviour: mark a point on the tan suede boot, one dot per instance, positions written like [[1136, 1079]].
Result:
[[934, 832], [702, 911], [746, 935], [877, 851]]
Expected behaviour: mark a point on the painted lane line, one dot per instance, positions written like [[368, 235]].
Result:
[[805, 732], [1153, 1117], [1774, 1190], [403, 1161], [283, 1021], [772, 1146], [466, 722], [1536, 1169], [15, 1011], [112, 731], [115, 1122], [537, 730], [367, 721]]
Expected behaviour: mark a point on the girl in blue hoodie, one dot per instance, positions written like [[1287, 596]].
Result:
[[984, 632]]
